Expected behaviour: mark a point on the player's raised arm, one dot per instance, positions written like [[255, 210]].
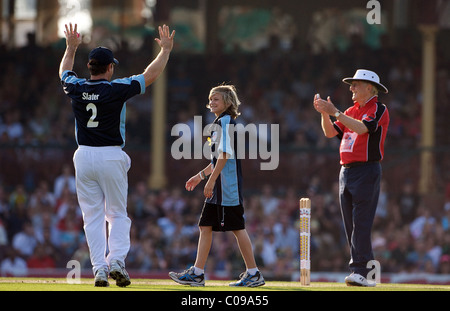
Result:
[[73, 40], [165, 41]]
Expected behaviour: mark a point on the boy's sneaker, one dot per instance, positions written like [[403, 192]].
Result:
[[119, 274], [247, 280], [188, 277], [356, 279], [101, 278]]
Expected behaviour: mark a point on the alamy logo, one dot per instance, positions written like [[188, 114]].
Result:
[[374, 15], [375, 272], [219, 139], [74, 275]]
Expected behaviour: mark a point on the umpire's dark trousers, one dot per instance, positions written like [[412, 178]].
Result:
[[359, 189]]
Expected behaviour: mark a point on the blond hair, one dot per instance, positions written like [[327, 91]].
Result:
[[375, 88], [230, 98]]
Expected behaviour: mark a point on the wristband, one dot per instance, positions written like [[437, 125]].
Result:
[[200, 175]]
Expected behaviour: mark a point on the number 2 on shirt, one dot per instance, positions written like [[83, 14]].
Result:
[[92, 123]]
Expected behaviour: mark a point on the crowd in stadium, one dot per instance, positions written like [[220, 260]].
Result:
[[40, 221]]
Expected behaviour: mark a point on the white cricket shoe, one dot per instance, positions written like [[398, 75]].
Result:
[[101, 278], [356, 279], [119, 274]]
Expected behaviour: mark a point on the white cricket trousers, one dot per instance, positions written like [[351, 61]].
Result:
[[102, 188]]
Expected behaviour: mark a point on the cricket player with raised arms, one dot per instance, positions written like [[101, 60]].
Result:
[[101, 166]]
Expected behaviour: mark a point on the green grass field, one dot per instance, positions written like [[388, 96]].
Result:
[[51, 284]]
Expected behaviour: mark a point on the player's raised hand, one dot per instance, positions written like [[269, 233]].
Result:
[[165, 39], [73, 38]]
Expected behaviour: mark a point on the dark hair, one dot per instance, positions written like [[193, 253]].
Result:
[[95, 68]]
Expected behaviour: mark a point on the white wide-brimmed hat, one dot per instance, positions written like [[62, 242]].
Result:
[[366, 75]]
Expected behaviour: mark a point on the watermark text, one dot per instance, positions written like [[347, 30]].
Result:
[[74, 275], [374, 274], [374, 15], [262, 142]]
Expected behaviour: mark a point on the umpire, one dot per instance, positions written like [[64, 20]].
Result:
[[362, 130]]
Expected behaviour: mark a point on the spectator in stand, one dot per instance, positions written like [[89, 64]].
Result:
[[47, 227], [82, 256], [12, 126], [269, 251], [444, 267], [422, 221], [65, 180], [69, 210], [70, 237], [289, 203], [269, 201], [40, 259], [419, 258], [42, 195], [4, 204], [3, 238], [174, 202], [51, 244], [445, 219], [137, 199], [167, 223], [286, 235], [382, 207], [408, 201], [18, 213], [13, 264], [18, 196], [25, 241]]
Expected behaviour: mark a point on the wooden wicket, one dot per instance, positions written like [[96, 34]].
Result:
[[305, 234]]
